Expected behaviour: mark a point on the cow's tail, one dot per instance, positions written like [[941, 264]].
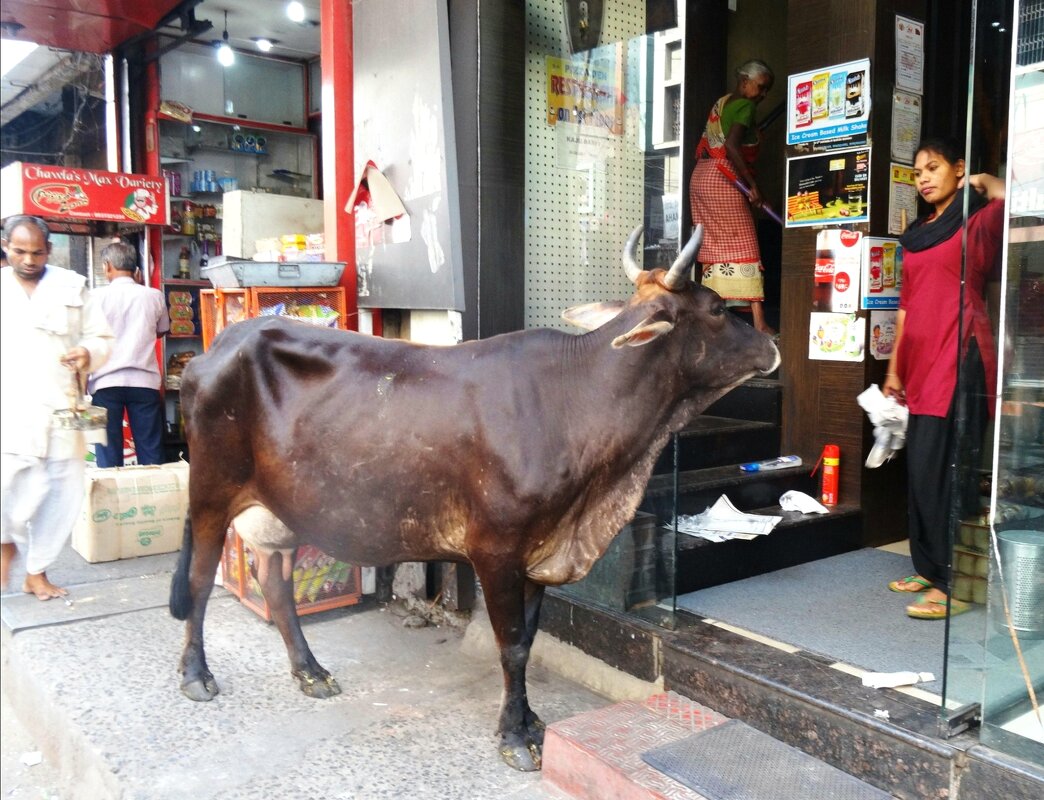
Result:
[[180, 592]]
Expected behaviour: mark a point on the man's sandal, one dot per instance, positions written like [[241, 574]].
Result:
[[922, 584], [936, 609]]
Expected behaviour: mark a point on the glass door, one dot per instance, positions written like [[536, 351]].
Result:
[[1013, 685], [994, 654]]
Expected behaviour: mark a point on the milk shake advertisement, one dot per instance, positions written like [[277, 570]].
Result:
[[831, 103]]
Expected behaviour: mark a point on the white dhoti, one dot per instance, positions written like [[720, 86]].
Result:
[[41, 500]]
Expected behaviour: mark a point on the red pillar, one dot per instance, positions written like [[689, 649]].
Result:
[[152, 164], [338, 143]]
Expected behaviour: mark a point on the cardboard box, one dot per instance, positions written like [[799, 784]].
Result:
[[132, 511]]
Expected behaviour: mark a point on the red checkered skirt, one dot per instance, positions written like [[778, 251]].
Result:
[[722, 209]]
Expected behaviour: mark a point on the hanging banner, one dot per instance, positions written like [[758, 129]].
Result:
[[829, 103], [71, 193]]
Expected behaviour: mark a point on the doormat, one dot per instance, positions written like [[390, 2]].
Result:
[[734, 761]]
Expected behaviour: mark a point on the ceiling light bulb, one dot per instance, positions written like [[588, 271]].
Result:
[[295, 11], [264, 45], [225, 56]]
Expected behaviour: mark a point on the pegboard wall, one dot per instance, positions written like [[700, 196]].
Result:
[[578, 219]]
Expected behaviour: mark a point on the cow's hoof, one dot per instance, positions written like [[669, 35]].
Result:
[[524, 758], [319, 686], [202, 689], [535, 727]]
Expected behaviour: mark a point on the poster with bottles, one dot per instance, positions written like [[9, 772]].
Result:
[[837, 271], [831, 103], [882, 270]]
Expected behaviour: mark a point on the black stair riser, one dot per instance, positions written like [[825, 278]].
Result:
[[704, 564], [746, 493], [697, 450], [754, 400]]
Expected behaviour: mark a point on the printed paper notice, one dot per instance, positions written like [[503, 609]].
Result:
[[882, 334], [902, 197], [909, 54], [906, 126]]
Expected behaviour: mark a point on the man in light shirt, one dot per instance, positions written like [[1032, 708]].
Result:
[[51, 335], [130, 379]]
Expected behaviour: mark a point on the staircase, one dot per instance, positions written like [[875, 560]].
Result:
[[741, 427], [889, 739]]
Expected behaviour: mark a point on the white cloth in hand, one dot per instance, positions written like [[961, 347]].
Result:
[[889, 419]]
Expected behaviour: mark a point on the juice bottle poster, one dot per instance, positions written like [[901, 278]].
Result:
[[820, 99], [882, 260]]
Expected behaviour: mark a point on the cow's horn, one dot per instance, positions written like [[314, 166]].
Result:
[[679, 271], [630, 265]]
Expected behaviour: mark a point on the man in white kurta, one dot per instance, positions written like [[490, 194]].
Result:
[[50, 331]]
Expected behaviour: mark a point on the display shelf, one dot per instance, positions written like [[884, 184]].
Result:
[[185, 282], [165, 160]]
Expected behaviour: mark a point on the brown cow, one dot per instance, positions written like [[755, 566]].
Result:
[[523, 455]]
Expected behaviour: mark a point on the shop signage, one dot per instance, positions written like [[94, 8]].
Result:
[[587, 89], [71, 193], [829, 103]]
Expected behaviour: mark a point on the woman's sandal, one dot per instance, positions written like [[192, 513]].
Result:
[[922, 584], [926, 608]]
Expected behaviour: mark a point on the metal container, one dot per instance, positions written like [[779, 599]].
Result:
[[91, 418], [1022, 562], [228, 273]]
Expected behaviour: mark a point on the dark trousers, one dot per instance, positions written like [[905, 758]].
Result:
[[943, 459], [144, 410]]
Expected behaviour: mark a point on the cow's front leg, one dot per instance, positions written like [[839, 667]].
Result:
[[513, 604], [194, 580], [275, 573]]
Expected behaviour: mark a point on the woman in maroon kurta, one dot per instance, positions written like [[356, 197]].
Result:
[[923, 370]]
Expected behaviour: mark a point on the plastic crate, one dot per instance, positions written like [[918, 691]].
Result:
[[320, 581], [227, 273], [220, 308]]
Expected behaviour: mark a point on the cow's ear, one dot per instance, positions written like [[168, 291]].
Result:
[[643, 333], [592, 315]]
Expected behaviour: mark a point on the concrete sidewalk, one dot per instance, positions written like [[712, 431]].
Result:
[[96, 686]]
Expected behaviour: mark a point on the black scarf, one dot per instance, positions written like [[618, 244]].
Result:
[[922, 235]]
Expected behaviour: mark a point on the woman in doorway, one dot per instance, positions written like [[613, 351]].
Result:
[[923, 370], [729, 255]]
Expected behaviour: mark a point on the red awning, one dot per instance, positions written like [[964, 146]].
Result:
[[90, 26]]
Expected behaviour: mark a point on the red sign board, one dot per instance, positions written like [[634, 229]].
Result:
[[71, 193]]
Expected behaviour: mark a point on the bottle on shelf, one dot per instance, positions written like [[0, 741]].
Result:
[[183, 264], [204, 256]]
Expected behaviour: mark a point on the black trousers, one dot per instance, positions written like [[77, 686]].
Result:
[[943, 456]]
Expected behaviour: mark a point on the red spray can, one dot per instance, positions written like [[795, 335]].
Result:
[[831, 474]]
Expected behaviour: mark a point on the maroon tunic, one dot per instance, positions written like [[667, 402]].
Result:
[[931, 298]]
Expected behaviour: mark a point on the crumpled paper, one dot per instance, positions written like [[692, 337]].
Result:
[[889, 419], [889, 680], [799, 501]]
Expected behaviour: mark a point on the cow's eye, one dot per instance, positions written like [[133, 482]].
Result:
[[717, 309]]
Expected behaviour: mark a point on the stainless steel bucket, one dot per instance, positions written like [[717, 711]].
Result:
[[1022, 561]]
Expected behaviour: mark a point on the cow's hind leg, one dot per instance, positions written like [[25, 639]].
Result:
[[276, 576], [513, 604], [201, 552]]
